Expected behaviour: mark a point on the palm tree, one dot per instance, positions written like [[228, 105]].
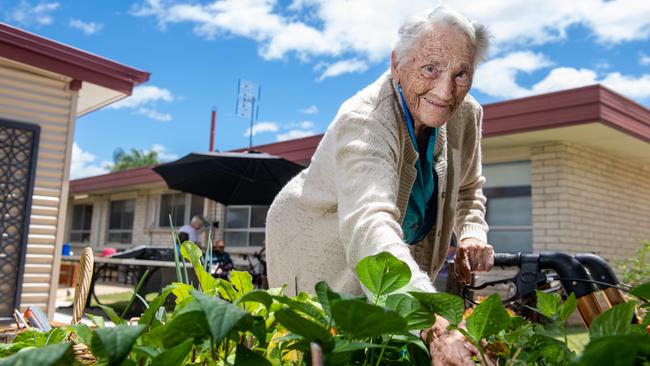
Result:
[[135, 159]]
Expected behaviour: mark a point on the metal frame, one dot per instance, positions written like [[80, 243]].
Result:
[[82, 231], [187, 213], [119, 231], [246, 230], [36, 129]]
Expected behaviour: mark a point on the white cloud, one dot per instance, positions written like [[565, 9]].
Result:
[[153, 114], [88, 28], [163, 153], [83, 164], [633, 87], [341, 67], [644, 59], [497, 77], [27, 14], [312, 109], [143, 95], [295, 134], [144, 100], [562, 78], [261, 127], [367, 29]]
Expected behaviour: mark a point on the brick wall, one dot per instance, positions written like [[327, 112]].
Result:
[[588, 201]]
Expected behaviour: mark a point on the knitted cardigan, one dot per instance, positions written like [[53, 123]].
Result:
[[350, 202]]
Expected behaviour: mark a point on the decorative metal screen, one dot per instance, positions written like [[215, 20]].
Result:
[[18, 150]]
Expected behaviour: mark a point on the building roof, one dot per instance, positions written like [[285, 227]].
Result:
[[591, 115], [102, 81]]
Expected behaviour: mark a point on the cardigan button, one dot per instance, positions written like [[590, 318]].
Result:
[[415, 226], [439, 233], [444, 194]]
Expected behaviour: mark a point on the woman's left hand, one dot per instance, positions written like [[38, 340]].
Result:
[[472, 255]]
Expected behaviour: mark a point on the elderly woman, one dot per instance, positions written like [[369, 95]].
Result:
[[398, 170]]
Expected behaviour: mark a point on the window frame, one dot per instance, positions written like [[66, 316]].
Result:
[[187, 214], [81, 231], [110, 231], [248, 230], [509, 192]]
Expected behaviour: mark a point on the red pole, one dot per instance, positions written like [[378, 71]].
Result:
[[212, 127]]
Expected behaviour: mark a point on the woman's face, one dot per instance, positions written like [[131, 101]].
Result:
[[435, 74]]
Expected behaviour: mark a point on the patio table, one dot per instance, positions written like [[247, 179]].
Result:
[[165, 275]]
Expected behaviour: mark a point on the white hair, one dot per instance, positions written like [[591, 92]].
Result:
[[416, 25], [197, 220]]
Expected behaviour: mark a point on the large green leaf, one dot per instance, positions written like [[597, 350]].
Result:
[[448, 306], [35, 338], [226, 290], [182, 292], [256, 296], [383, 273], [149, 315], [173, 356], [193, 253], [112, 315], [617, 350], [344, 345], [489, 317], [221, 315], [614, 321], [243, 282], [112, 345], [54, 355], [326, 297], [362, 320], [642, 291], [246, 357], [567, 308], [415, 314], [548, 303], [304, 327], [305, 307], [188, 322]]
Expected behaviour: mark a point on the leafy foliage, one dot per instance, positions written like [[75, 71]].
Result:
[[636, 268], [231, 323], [133, 159]]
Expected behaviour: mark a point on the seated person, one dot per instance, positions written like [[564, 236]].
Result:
[[221, 260]]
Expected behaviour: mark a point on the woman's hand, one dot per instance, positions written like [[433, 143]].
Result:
[[448, 347], [472, 255]]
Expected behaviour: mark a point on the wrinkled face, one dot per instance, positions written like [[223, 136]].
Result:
[[219, 246], [435, 74]]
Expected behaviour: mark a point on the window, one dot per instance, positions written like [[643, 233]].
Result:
[[245, 226], [120, 222], [181, 206], [81, 219], [509, 206]]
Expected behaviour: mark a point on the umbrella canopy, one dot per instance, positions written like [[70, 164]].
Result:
[[249, 178]]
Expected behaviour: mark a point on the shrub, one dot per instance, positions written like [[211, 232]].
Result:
[[230, 323]]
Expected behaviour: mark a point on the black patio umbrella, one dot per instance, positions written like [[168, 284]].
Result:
[[249, 178]]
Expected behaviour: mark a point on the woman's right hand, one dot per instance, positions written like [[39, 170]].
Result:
[[448, 347]]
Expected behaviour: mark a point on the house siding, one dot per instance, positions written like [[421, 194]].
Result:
[[30, 97]]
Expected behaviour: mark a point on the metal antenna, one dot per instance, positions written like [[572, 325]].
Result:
[[248, 104]]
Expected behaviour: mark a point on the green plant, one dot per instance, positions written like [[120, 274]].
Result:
[[230, 323], [635, 270]]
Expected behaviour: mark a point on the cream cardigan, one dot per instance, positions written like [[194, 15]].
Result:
[[350, 202]]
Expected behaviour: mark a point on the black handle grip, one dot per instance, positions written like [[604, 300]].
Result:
[[507, 259]]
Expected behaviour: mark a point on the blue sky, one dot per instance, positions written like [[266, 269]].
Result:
[[309, 56]]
